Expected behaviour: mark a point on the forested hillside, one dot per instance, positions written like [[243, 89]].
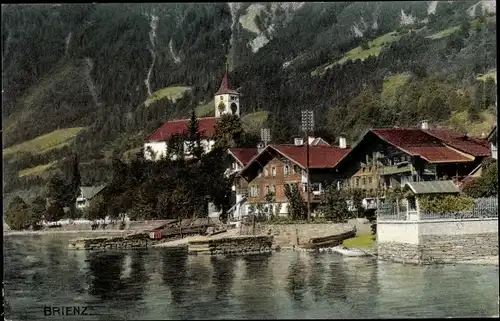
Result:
[[97, 78]]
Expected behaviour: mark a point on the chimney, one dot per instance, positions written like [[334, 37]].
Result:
[[260, 147], [298, 141], [342, 142], [425, 124]]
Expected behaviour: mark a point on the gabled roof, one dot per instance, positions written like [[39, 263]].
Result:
[[474, 146], [243, 155], [320, 156], [171, 127], [433, 187], [417, 142], [89, 192], [224, 86]]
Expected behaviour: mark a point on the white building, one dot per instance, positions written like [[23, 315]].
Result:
[[226, 101], [87, 193]]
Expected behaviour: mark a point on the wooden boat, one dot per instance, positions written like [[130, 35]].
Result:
[[349, 251], [328, 241]]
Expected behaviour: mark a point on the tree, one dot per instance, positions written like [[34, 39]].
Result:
[[194, 137], [334, 205], [57, 191], [18, 214], [228, 131], [487, 184], [38, 208], [297, 208], [54, 212], [96, 209]]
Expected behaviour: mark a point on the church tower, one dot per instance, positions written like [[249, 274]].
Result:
[[227, 101]]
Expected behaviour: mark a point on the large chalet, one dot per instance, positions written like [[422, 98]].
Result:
[[390, 157], [226, 102], [270, 169]]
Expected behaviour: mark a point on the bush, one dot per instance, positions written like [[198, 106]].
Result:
[[446, 203], [19, 215], [486, 185]]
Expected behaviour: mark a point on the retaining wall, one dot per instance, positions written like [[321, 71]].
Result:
[[439, 241], [139, 240], [289, 234], [232, 245]]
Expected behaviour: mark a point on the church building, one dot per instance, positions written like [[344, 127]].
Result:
[[226, 100]]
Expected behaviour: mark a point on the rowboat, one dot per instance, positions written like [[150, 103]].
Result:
[[349, 251]]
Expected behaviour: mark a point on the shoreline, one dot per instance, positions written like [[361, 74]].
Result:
[[27, 233]]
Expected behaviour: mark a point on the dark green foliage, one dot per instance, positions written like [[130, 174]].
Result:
[[487, 184], [54, 212], [297, 208], [38, 208], [49, 83], [96, 209], [194, 137], [228, 131], [19, 215], [334, 205]]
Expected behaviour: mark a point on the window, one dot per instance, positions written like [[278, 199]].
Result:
[[254, 191], [363, 181], [221, 97], [370, 180], [272, 189], [286, 170], [273, 171], [304, 187], [356, 181], [296, 169], [266, 172], [267, 189]]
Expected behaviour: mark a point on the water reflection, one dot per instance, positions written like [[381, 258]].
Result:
[[296, 285], [157, 284], [174, 275], [222, 277], [105, 274]]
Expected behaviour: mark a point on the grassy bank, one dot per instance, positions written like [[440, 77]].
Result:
[[366, 241]]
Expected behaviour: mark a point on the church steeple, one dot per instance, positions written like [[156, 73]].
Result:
[[226, 99]]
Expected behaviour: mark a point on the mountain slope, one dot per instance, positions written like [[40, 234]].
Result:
[[95, 66]]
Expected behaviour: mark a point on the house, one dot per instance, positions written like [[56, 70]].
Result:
[[226, 102], [390, 157], [87, 193], [264, 177], [492, 139]]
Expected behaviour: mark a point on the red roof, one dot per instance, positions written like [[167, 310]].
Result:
[[224, 86], [471, 145], [171, 127], [320, 156], [243, 155], [417, 142]]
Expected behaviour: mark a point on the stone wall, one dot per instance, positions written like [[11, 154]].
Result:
[[139, 240], [232, 245], [439, 241], [288, 234], [452, 248]]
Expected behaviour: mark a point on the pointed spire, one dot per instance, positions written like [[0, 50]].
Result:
[[224, 85]]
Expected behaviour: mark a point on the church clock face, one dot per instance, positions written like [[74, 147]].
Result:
[[234, 108], [221, 107]]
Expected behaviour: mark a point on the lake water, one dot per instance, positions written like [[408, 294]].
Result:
[[40, 273]]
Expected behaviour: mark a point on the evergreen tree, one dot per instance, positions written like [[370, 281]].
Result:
[[18, 214], [38, 208], [297, 208], [194, 137], [228, 131]]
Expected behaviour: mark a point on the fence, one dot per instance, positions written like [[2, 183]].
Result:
[[483, 208]]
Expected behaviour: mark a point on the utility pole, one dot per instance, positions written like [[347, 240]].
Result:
[[308, 126]]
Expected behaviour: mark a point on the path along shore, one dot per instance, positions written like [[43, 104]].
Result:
[[49, 232]]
